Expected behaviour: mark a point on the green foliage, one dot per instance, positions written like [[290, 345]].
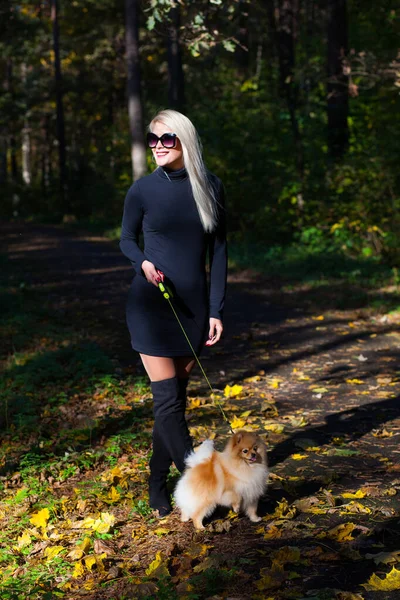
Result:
[[234, 96]]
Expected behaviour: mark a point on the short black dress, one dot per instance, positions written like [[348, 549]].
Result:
[[162, 206]]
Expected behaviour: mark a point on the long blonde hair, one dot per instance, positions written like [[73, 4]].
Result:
[[202, 189]]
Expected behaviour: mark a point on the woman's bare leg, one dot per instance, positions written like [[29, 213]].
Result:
[[158, 367]]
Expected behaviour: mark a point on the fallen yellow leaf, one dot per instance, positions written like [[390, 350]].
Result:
[[52, 551], [355, 381], [24, 540], [90, 584], [157, 567], [298, 421], [107, 521], [274, 384], [382, 433], [40, 518], [389, 583], [116, 473], [274, 427], [272, 533], [246, 414], [102, 525], [237, 423], [231, 392], [284, 511], [299, 456], [114, 495], [90, 561], [79, 570], [161, 531], [194, 403], [357, 507], [358, 494], [81, 549], [342, 533]]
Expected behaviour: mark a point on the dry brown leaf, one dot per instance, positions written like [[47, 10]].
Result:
[[306, 504], [385, 557], [101, 547], [286, 554]]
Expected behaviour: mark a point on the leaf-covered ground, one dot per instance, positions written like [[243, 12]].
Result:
[[313, 367]]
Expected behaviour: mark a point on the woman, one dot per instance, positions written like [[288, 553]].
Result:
[[180, 209]]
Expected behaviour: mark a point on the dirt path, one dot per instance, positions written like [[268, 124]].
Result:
[[322, 381]]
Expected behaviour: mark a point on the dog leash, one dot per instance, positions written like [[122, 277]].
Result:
[[167, 294]]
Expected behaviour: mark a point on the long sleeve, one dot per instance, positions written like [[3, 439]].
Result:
[[218, 261], [131, 227]]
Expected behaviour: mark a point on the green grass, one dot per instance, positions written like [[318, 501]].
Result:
[[298, 262]]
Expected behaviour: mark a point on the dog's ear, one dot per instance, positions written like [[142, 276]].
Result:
[[237, 438]]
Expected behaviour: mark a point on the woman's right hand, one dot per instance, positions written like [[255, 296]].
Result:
[[150, 272]]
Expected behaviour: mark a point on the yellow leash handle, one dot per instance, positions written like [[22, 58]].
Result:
[[166, 292]]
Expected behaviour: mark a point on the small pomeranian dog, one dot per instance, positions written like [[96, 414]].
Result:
[[235, 477]]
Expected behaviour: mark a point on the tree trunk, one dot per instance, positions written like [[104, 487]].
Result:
[[11, 143], [338, 97], [26, 154], [176, 81], [284, 24], [60, 109], [26, 139], [3, 160], [242, 50], [135, 107], [46, 160]]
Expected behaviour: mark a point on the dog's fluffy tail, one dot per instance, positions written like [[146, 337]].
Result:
[[203, 453]]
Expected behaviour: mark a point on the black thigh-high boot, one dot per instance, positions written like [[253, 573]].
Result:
[[169, 420], [183, 383], [160, 464]]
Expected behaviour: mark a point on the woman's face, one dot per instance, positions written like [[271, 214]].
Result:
[[167, 157]]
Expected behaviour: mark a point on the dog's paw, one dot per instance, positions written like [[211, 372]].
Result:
[[184, 518], [255, 518], [236, 507]]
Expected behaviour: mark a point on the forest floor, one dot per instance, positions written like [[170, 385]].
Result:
[[311, 366]]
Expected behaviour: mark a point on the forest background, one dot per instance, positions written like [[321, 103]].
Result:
[[296, 103]]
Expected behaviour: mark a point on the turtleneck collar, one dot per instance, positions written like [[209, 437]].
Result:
[[169, 174]]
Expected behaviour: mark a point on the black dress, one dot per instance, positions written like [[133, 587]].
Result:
[[163, 207]]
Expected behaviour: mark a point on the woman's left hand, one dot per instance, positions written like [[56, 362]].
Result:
[[216, 329]]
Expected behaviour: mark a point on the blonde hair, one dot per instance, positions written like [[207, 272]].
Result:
[[202, 189]]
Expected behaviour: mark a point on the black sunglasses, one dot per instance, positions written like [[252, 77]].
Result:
[[168, 140]]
